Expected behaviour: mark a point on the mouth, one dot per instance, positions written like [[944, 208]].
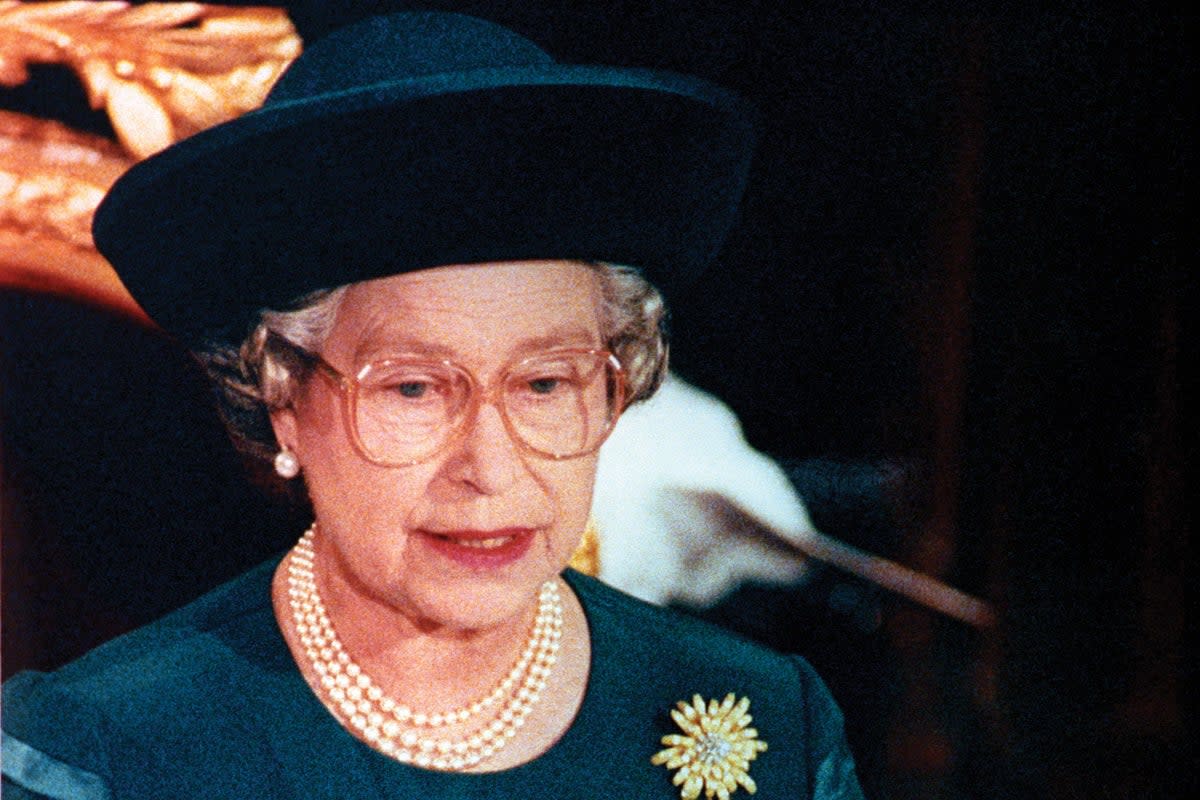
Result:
[[481, 549], [481, 541]]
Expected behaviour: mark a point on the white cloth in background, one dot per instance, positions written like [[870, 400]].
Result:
[[686, 510]]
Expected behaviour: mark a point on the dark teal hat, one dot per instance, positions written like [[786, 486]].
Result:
[[417, 140]]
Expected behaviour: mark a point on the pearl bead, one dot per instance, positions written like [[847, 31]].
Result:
[[363, 705]]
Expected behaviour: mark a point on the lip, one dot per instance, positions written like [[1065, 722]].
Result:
[[481, 550]]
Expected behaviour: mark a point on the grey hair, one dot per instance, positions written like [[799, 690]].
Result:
[[264, 373], [634, 328]]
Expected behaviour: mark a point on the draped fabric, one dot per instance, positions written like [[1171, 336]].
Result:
[[208, 703]]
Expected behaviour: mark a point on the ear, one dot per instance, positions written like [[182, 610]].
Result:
[[283, 422]]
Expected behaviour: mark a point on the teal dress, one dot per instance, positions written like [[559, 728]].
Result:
[[208, 703]]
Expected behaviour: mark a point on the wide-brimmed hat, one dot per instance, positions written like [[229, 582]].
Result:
[[417, 140]]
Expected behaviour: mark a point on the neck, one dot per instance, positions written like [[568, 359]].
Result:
[[442, 659], [428, 666]]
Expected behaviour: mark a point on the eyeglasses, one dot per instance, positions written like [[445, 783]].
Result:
[[401, 411]]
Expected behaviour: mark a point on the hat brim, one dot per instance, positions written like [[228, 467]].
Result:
[[541, 162]]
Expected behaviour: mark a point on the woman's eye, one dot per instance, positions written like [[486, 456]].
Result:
[[543, 385], [412, 389]]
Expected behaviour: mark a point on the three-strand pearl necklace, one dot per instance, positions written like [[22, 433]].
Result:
[[394, 728]]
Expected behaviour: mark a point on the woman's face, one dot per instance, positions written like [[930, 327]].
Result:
[[465, 538]]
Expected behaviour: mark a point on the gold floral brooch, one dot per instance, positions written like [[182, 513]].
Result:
[[715, 750]]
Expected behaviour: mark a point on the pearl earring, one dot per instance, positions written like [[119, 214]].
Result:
[[286, 463]]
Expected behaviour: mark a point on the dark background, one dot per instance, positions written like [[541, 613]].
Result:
[[959, 279]]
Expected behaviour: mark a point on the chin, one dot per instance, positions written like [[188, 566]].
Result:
[[469, 598], [478, 607]]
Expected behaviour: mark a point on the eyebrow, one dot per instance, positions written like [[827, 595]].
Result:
[[378, 346]]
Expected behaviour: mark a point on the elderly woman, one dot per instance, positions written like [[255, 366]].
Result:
[[401, 269]]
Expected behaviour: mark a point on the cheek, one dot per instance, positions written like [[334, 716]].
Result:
[[342, 484], [318, 416], [573, 496]]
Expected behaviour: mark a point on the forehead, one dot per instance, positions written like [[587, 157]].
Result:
[[473, 313]]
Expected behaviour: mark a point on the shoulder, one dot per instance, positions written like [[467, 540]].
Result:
[[179, 637], [670, 634], [126, 684], [676, 652], [646, 659]]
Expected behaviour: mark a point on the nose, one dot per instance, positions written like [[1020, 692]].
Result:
[[488, 458]]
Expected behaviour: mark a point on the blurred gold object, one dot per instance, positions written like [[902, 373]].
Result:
[[162, 71], [586, 557], [51, 179]]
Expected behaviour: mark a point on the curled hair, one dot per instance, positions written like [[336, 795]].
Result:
[[634, 328], [263, 373]]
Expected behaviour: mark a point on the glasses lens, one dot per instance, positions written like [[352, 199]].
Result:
[[559, 404], [405, 410], [563, 404]]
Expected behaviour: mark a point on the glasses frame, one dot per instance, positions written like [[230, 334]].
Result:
[[350, 385]]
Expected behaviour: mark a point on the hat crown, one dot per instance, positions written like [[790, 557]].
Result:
[[399, 47], [421, 139]]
